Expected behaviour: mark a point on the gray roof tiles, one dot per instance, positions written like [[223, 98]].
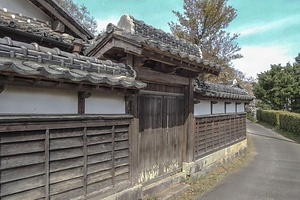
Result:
[[32, 26], [32, 59], [173, 42], [142, 33], [215, 90]]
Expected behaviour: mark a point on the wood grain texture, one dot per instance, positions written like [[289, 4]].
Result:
[[76, 160], [215, 132]]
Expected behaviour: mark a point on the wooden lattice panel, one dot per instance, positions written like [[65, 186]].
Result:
[[215, 132]]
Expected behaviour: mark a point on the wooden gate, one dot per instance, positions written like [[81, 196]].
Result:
[[160, 135]]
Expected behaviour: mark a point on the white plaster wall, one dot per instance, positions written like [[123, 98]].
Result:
[[218, 108], [105, 104], [26, 100], [241, 107], [202, 108], [230, 108], [25, 8]]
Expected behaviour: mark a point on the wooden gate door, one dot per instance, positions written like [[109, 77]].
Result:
[[160, 135]]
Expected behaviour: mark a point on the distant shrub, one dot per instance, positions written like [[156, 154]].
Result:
[[282, 119], [269, 116], [290, 122]]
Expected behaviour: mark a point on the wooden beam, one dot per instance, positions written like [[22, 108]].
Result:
[[128, 48], [100, 51], [159, 77], [61, 84], [58, 26], [147, 92], [47, 164], [55, 13], [190, 145], [81, 103], [163, 57]]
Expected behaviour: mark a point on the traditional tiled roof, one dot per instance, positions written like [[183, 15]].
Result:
[[70, 18], [159, 37], [34, 60], [215, 90], [137, 30], [32, 26]]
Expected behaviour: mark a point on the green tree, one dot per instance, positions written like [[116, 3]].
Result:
[[203, 23], [279, 87]]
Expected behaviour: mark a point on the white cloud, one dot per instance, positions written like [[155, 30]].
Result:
[[259, 58], [102, 23], [267, 26], [264, 27]]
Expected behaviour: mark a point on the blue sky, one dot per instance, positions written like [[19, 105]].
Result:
[[270, 29]]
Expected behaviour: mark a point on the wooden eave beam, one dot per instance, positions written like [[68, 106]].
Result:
[[168, 58], [103, 49], [127, 40], [222, 99], [201, 97], [148, 75], [63, 19], [128, 47], [63, 85], [112, 42], [36, 38]]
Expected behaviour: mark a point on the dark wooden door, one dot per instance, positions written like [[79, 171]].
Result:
[[160, 135]]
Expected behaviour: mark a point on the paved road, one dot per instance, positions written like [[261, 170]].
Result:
[[274, 173]]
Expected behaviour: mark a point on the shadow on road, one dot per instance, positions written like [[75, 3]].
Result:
[[276, 138]]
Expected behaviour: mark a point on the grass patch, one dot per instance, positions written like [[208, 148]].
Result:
[[211, 179], [293, 136]]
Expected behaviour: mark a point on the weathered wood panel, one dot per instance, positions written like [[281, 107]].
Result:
[[216, 131], [161, 135], [63, 163]]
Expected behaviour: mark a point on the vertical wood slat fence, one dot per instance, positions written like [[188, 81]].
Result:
[[217, 131], [55, 159]]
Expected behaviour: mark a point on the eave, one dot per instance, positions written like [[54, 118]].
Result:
[[54, 11], [137, 46]]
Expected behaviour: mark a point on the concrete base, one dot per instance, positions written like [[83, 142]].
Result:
[[158, 186], [133, 193], [207, 163], [172, 192]]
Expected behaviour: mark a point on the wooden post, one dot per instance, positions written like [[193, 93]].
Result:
[[85, 152], [132, 109], [134, 141], [190, 123], [81, 101], [47, 164]]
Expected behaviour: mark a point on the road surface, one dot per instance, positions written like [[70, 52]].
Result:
[[274, 172]]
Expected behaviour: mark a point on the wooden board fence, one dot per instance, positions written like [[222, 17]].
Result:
[[217, 131], [54, 160]]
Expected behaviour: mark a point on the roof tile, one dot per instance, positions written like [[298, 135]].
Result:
[[32, 59]]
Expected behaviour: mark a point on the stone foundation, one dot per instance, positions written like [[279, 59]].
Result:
[[207, 163]]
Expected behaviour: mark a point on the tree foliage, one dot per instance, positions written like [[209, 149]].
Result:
[[80, 13], [279, 87], [203, 23]]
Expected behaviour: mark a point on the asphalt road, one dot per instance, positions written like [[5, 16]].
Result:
[[274, 172]]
